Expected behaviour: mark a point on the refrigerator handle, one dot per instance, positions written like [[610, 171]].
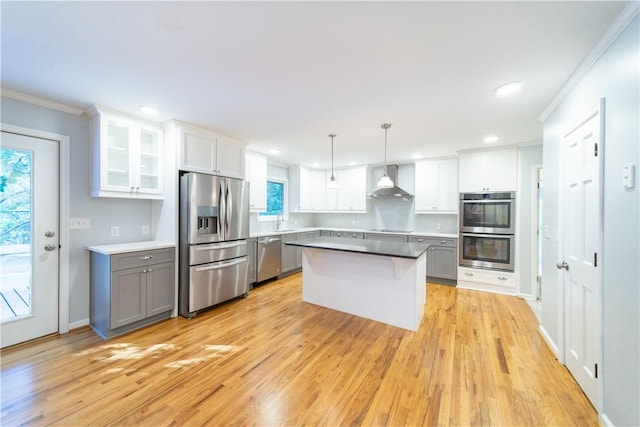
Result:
[[229, 210], [221, 210]]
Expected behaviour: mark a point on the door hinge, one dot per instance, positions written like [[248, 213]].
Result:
[[595, 259], [596, 371], [595, 149]]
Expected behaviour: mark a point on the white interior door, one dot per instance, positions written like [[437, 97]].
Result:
[[582, 237], [29, 254]]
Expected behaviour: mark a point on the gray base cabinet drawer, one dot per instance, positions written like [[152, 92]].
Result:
[[141, 258], [347, 234], [124, 299], [442, 258]]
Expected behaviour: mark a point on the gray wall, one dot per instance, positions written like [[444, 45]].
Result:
[[615, 77], [130, 215]]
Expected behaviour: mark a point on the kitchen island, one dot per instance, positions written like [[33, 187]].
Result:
[[378, 280]]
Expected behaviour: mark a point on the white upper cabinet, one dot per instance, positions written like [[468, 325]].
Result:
[[204, 151], [352, 194], [126, 156], [308, 190], [318, 190], [436, 186], [494, 170], [257, 176]]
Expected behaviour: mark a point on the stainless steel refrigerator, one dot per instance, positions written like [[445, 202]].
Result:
[[214, 227]]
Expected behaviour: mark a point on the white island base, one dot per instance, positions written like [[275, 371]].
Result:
[[387, 289]]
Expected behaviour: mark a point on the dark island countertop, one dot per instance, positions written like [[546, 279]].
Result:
[[371, 247]]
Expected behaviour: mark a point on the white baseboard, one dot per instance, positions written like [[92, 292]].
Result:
[[78, 324], [552, 345], [605, 421], [528, 297]]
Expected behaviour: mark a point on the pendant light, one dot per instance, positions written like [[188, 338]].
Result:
[[385, 181], [333, 183]]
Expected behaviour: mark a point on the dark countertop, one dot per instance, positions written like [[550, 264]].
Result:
[[371, 247]]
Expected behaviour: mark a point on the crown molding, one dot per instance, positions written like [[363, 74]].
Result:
[[618, 26], [31, 99]]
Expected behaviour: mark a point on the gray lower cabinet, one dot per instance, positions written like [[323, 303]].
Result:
[[288, 253], [252, 250], [302, 236], [291, 255], [442, 259], [325, 233], [347, 234], [386, 237], [131, 290]]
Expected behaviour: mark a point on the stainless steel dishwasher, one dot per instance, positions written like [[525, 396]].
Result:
[[269, 257]]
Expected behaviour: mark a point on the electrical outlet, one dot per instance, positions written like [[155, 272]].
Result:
[[145, 229], [438, 226], [115, 231], [353, 222]]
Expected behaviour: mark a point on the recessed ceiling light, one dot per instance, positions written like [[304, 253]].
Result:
[[490, 138], [508, 88], [315, 164], [150, 111], [274, 151], [417, 156], [353, 163]]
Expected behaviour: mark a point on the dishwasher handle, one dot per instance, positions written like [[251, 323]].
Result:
[[269, 240]]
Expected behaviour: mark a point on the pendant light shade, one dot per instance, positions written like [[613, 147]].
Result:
[[385, 181], [333, 183]]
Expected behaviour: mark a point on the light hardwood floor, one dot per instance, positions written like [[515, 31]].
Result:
[[271, 359]]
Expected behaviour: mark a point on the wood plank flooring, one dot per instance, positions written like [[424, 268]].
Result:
[[271, 359]]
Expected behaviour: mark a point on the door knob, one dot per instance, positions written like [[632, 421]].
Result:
[[50, 248], [49, 233], [562, 265]]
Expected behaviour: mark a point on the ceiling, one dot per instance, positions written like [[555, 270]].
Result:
[[287, 74]]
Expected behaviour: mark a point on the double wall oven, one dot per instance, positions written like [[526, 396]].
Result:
[[487, 228]]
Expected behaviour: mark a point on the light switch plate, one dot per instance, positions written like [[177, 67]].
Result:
[[79, 223], [628, 176], [115, 231]]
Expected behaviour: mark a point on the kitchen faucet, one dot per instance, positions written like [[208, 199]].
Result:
[[278, 221]]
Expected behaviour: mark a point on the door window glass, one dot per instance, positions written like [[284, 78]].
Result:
[[15, 233]]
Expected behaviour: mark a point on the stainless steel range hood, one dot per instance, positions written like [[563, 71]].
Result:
[[392, 192]]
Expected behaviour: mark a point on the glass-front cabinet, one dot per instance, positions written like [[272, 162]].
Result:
[[126, 156]]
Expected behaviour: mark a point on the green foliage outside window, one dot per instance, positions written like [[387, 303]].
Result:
[[15, 197], [275, 199]]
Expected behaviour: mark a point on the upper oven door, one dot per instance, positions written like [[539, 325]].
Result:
[[487, 216]]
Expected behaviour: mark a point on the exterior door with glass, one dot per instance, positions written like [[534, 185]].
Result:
[[29, 243]]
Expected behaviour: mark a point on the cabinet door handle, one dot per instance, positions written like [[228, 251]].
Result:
[[144, 258], [149, 270], [468, 274], [443, 241], [144, 271]]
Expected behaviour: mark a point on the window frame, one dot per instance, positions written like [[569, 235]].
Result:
[[285, 201]]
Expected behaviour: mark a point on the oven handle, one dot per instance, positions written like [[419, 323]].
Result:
[[219, 265], [220, 246], [495, 236]]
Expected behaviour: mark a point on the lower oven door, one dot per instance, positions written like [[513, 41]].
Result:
[[492, 251], [213, 283]]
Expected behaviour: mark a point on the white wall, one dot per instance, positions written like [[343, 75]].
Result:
[[527, 158], [130, 215], [615, 76]]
